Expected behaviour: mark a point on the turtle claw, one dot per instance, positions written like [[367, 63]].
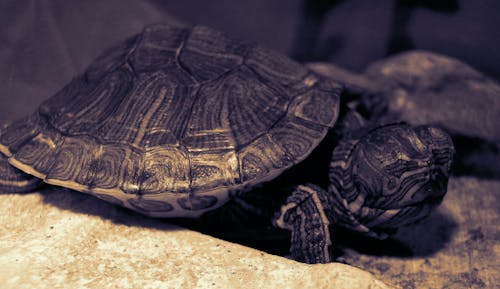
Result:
[[304, 215]]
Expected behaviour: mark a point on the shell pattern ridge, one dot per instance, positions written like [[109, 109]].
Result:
[[174, 120]]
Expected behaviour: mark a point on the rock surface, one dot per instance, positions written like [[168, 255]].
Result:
[[63, 239], [428, 88]]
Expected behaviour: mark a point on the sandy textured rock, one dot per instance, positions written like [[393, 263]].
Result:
[[63, 239]]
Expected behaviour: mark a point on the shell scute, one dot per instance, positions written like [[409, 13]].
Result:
[[260, 158], [278, 70], [234, 110], [211, 169], [196, 203], [166, 169], [296, 137], [317, 106], [80, 107], [208, 54], [152, 113], [110, 199], [40, 152], [158, 47], [150, 206], [110, 170], [73, 164], [254, 107]]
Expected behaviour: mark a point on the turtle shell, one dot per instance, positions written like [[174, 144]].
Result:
[[174, 120]]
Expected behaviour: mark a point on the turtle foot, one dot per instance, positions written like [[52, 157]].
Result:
[[304, 215]]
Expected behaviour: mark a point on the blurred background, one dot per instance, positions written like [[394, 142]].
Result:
[[43, 43]]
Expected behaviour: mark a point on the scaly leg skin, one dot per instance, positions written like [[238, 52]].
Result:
[[305, 216], [13, 180]]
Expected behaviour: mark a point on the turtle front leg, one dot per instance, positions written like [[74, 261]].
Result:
[[305, 216]]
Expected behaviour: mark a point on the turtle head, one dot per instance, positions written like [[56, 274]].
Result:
[[394, 176]]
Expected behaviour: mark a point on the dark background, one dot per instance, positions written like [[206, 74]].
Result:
[[43, 44]]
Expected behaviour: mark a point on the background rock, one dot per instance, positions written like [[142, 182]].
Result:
[[427, 88]]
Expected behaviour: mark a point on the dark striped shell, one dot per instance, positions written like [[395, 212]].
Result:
[[173, 120]]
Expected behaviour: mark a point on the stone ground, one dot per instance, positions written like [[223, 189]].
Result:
[[57, 238]]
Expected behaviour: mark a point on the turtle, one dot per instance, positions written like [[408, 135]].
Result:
[[180, 120]]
